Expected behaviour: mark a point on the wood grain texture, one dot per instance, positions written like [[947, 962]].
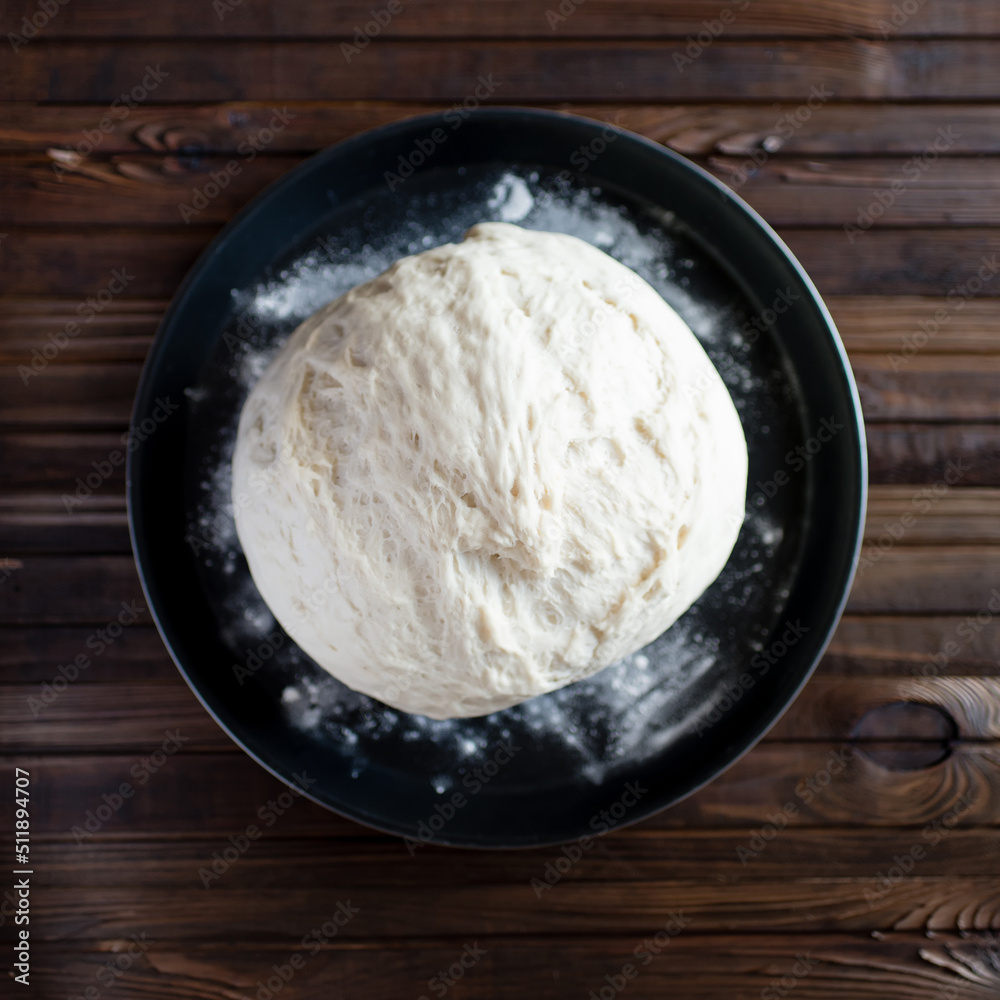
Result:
[[928, 579], [122, 332], [697, 966], [910, 579], [874, 324], [96, 717], [886, 324], [726, 129], [129, 189], [32, 656], [897, 262], [123, 715], [941, 387], [52, 461], [45, 263], [925, 453], [938, 387], [205, 70], [59, 395], [906, 696], [892, 262], [888, 645], [831, 708], [921, 190], [634, 855], [937, 514], [884, 646], [31, 522], [220, 793], [898, 453], [463, 19], [37, 460], [799, 906]]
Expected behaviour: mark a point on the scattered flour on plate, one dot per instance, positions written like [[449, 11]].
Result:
[[511, 200], [635, 705]]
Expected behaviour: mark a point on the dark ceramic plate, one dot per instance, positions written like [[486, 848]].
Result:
[[640, 735]]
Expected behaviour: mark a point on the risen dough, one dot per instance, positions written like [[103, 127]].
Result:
[[492, 470]]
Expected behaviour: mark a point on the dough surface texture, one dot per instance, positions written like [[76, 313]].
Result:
[[493, 470]]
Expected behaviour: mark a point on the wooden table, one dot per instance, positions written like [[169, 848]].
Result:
[[882, 879]]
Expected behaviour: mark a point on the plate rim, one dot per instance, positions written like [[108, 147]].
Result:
[[504, 113]]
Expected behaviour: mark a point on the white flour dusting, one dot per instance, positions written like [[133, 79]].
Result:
[[511, 200], [631, 708]]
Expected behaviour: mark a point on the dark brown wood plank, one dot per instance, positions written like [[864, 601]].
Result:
[[695, 966], [936, 514], [928, 646], [216, 794], [98, 71], [93, 717], [893, 387], [914, 636], [899, 324], [33, 523], [39, 263], [945, 387], [861, 193], [899, 262], [208, 795], [123, 331], [36, 461], [632, 855], [65, 187], [897, 453], [921, 579], [795, 906], [39, 718], [498, 19], [33, 656], [831, 708], [885, 646], [925, 453], [867, 323], [95, 395], [91, 589], [874, 324], [723, 129], [909, 579], [127, 190], [891, 262], [52, 461]]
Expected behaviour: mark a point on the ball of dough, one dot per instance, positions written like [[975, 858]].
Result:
[[491, 471]]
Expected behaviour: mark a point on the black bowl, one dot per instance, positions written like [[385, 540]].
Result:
[[640, 735]]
